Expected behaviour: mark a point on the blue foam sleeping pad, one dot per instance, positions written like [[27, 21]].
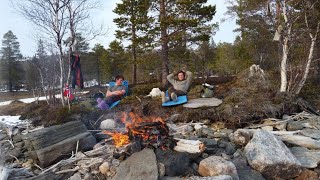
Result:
[[181, 100], [125, 83]]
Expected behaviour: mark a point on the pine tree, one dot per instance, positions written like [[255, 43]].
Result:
[[10, 53], [182, 23], [134, 25]]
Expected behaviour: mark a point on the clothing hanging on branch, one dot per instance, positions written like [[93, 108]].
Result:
[[76, 74]]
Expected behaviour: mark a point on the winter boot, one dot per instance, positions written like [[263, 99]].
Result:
[[174, 97], [164, 98]]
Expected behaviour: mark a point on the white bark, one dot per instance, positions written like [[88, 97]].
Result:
[[285, 50], [283, 67], [310, 56]]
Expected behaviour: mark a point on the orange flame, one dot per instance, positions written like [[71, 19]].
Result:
[[123, 139], [119, 138]]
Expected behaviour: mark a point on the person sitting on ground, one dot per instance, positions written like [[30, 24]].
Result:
[[113, 94], [179, 87]]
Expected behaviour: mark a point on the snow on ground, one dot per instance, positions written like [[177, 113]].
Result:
[[12, 120], [5, 103], [30, 100]]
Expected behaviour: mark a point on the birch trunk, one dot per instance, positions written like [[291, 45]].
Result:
[[285, 51], [310, 57], [283, 67]]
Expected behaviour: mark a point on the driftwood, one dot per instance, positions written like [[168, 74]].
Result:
[[181, 128], [301, 141], [270, 124], [68, 170], [54, 134], [50, 154], [103, 150], [241, 137], [48, 145], [190, 146]]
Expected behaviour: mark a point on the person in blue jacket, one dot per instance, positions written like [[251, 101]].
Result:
[[113, 94]]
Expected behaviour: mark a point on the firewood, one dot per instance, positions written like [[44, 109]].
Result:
[[190, 146]]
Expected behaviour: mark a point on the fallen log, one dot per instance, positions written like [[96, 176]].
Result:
[[243, 136], [301, 141], [190, 146], [48, 145], [50, 154]]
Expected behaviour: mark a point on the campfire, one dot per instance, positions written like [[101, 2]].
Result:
[[147, 131]]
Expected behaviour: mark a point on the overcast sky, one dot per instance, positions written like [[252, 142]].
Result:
[[27, 36]]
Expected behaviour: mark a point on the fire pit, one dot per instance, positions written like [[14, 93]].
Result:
[[146, 131]]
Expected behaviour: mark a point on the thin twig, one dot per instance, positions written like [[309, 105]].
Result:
[[139, 99], [10, 143], [38, 166], [77, 147], [98, 120], [14, 158]]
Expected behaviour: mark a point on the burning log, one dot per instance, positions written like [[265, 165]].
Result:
[[190, 146]]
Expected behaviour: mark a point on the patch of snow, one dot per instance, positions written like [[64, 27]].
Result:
[[27, 100], [30, 100], [5, 103], [83, 92], [12, 120], [91, 83]]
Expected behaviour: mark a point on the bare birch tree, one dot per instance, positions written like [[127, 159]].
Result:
[[57, 18], [289, 34], [50, 16]]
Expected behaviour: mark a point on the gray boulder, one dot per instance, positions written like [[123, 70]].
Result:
[[141, 166], [108, 124], [270, 156], [307, 158], [216, 166]]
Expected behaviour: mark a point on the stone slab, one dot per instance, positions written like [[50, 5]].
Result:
[[203, 102]]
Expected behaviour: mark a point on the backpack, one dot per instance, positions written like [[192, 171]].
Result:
[[207, 91]]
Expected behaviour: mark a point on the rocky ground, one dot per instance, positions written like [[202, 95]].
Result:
[[255, 133]]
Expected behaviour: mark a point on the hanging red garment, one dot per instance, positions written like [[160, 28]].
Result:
[[76, 74]]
